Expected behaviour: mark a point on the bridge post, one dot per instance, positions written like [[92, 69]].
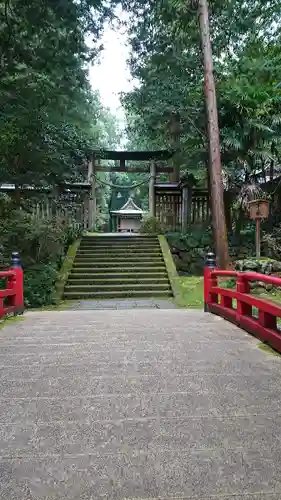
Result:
[[243, 286], [210, 265], [18, 283]]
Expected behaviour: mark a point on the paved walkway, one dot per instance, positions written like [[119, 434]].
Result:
[[156, 404], [123, 304]]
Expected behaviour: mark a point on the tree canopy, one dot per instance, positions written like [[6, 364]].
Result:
[[167, 107], [49, 116]]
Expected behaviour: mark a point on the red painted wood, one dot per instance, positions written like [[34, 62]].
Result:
[[13, 293], [207, 275], [6, 274], [220, 273], [221, 301]]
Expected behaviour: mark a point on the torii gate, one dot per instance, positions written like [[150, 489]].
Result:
[[121, 157]]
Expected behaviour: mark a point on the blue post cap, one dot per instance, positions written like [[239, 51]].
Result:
[[16, 259], [210, 260]]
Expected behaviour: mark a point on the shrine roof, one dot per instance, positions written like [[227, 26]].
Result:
[[129, 208]]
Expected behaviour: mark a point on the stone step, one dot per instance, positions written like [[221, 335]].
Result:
[[125, 256], [120, 239], [119, 236], [117, 287], [84, 267], [118, 267], [114, 264], [118, 248], [105, 273], [120, 280], [119, 257], [92, 265], [118, 251], [121, 242], [74, 295]]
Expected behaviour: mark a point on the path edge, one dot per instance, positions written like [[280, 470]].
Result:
[[172, 272], [65, 271]]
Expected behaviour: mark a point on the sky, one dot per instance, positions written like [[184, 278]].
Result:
[[111, 75]]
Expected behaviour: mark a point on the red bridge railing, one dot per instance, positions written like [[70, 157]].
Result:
[[258, 316], [11, 289]]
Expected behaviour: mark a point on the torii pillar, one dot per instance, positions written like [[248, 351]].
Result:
[[92, 216], [152, 180]]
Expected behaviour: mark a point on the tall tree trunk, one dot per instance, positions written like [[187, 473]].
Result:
[[217, 202]]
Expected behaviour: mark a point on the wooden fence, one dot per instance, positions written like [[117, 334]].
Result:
[[200, 208], [169, 208], [75, 214]]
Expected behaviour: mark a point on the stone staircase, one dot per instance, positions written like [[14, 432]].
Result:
[[118, 266]]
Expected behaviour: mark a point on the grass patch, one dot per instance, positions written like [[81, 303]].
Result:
[[192, 291], [274, 295], [269, 350], [10, 319]]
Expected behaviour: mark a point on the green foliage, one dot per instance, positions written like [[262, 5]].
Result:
[[49, 117], [192, 291], [194, 238], [189, 250], [263, 266], [50, 122], [167, 60], [271, 243], [151, 225], [41, 244], [37, 240], [39, 283], [229, 283]]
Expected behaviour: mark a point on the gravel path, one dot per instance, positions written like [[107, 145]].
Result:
[[140, 404]]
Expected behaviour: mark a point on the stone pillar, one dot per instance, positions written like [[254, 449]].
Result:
[[152, 199]]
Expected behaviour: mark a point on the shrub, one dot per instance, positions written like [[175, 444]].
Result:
[[151, 225], [263, 265], [271, 243], [189, 249], [37, 240], [39, 282], [41, 244]]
